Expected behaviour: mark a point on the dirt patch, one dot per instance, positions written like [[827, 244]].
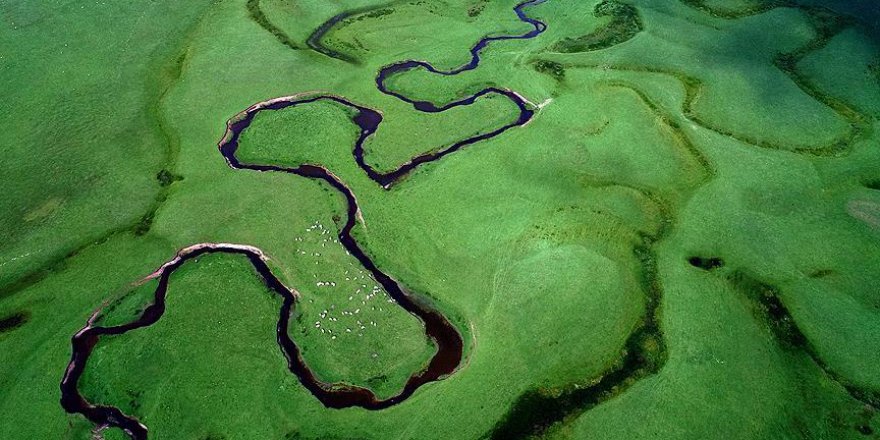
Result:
[[866, 211], [45, 210]]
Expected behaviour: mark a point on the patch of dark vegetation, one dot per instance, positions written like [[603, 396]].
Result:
[[731, 14], [643, 355], [257, 15], [873, 184], [866, 415], [144, 224], [869, 398], [376, 14], [172, 71], [134, 399], [297, 436], [821, 273], [827, 22], [787, 62], [377, 381], [769, 309], [146, 221], [477, 8], [552, 68], [696, 4], [14, 321], [624, 25], [706, 263], [874, 69], [166, 177]]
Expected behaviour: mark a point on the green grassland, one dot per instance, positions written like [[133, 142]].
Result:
[[683, 243], [71, 115]]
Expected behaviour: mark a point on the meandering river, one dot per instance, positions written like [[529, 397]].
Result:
[[444, 335]]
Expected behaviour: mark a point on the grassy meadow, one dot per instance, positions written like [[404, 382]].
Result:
[[683, 243]]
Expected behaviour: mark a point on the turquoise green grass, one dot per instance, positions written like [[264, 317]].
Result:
[[747, 137]]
